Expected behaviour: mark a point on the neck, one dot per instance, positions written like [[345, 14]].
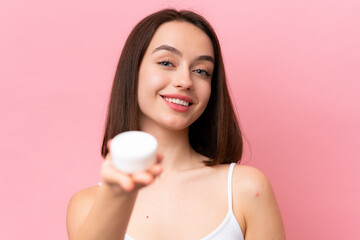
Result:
[[174, 146]]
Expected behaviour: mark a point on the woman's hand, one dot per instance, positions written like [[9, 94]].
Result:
[[122, 182]]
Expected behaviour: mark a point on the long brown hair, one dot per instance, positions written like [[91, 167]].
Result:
[[215, 134]]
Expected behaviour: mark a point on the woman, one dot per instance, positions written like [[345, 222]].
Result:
[[170, 82]]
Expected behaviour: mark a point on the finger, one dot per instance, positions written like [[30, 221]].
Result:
[[113, 176], [156, 169], [108, 144], [108, 157], [142, 177], [159, 157], [126, 182]]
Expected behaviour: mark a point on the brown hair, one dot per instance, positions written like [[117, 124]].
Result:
[[215, 134]]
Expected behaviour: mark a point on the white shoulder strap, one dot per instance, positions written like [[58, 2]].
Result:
[[231, 169]]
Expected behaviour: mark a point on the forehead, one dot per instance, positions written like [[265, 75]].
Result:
[[184, 36]]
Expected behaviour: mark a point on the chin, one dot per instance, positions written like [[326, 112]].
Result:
[[175, 126]]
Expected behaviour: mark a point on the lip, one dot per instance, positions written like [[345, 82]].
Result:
[[181, 97], [176, 107]]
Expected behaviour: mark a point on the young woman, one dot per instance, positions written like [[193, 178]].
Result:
[[170, 82]]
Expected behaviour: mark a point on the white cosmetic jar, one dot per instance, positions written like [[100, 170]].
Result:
[[133, 151]]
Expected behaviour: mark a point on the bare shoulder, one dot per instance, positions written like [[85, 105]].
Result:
[[83, 198], [79, 207], [250, 181], [256, 203]]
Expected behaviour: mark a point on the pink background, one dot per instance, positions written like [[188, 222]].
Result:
[[293, 70]]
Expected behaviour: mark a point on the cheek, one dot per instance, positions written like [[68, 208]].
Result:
[[148, 88], [205, 92], [150, 82]]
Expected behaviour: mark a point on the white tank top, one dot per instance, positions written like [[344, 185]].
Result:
[[229, 229]]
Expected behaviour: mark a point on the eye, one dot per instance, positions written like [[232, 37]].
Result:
[[202, 72], [166, 63]]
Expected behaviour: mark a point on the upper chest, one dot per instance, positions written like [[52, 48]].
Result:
[[182, 208]]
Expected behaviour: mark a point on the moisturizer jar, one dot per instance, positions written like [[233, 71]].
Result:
[[133, 151]]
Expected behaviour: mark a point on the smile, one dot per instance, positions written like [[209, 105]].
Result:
[[177, 101]]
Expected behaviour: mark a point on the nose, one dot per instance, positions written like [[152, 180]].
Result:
[[183, 80]]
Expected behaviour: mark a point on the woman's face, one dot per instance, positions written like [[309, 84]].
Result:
[[175, 76]]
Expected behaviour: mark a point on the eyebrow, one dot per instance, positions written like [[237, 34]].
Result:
[[206, 58], [168, 48], [177, 52]]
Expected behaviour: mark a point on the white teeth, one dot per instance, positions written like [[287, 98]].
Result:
[[177, 101]]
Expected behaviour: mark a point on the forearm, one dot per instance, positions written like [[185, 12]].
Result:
[[108, 217]]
